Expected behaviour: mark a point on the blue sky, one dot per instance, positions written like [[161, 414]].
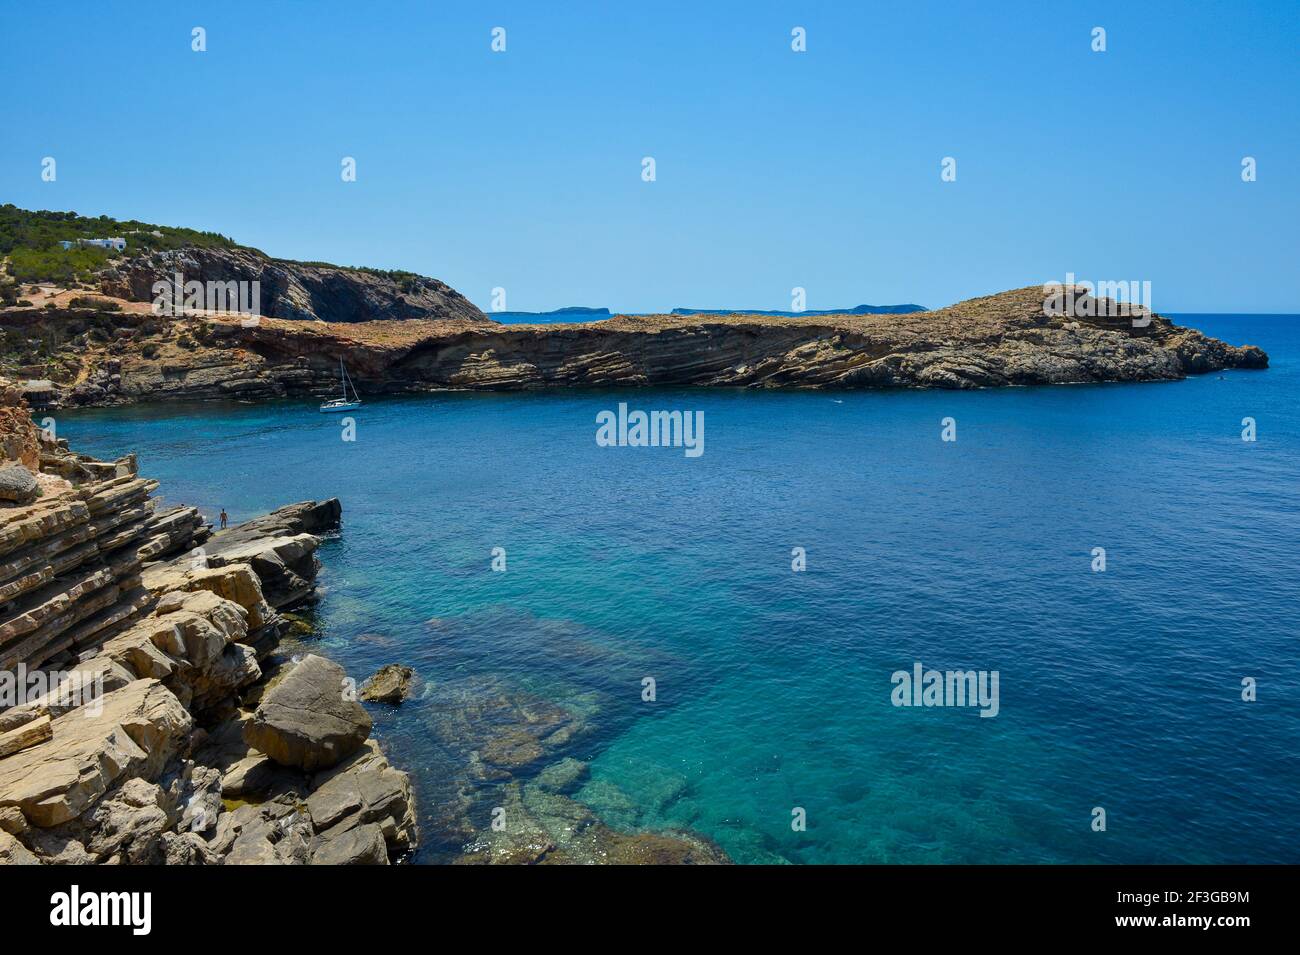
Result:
[[775, 169]]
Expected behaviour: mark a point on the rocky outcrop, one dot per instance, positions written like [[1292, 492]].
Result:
[[297, 291], [133, 655], [309, 719], [391, 683], [136, 731], [18, 485], [18, 443], [71, 562], [1000, 340]]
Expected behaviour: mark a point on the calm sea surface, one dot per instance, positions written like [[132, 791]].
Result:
[[1119, 689]]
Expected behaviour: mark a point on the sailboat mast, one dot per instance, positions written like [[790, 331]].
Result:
[[346, 382]]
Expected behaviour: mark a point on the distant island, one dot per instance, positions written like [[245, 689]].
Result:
[[580, 312], [855, 310], [595, 314]]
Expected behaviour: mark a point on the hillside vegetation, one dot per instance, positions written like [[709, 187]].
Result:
[[30, 250], [29, 243]]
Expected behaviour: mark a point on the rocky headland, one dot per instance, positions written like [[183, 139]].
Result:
[[116, 351], [145, 714]]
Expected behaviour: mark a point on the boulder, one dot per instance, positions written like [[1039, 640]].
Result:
[[130, 823], [365, 789], [308, 720], [18, 485], [363, 845], [13, 852], [390, 684]]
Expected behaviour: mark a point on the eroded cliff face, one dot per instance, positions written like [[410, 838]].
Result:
[[17, 433], [295, 290], [995, 341], [135, 650]]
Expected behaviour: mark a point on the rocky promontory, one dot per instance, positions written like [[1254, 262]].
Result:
[[125, 354], [145, 716]]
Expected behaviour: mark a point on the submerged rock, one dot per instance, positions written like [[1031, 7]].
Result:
[[390, 684], [612, 803], [500, 730], [536, 826], [564, 776]]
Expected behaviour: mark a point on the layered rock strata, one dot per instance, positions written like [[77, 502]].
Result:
[[999, 340], [133, 656]]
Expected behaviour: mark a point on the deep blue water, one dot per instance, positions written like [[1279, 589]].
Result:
[[1119, 690]]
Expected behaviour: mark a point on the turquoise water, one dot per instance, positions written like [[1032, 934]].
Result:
[[1119, 689]]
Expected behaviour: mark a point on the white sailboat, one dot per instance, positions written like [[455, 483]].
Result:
[[345, 403]]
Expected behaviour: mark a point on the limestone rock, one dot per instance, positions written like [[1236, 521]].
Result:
[[130, 823], [29, 734], [136, 731], [390, 684], [363, 845], [275, 833], [365, 789], [306, 720], [13, 852], [17, 484], [12, 820]]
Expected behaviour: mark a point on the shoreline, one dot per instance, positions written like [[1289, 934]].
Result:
[[190, 720], [158, 639], [122, 354]]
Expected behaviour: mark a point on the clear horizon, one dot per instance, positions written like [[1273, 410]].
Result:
[[775, 169]]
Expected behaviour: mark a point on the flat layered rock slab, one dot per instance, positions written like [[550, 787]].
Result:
[[130, 732]]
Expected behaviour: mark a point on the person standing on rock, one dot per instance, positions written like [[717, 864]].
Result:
[[224, 518]]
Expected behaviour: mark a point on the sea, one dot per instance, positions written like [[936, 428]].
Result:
[[731, 630]]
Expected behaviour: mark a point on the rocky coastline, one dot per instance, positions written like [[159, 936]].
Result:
[[147, 717], [170, 714], [115, 351]]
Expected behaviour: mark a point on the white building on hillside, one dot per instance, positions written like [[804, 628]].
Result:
[[113, 243], [116, 243]]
